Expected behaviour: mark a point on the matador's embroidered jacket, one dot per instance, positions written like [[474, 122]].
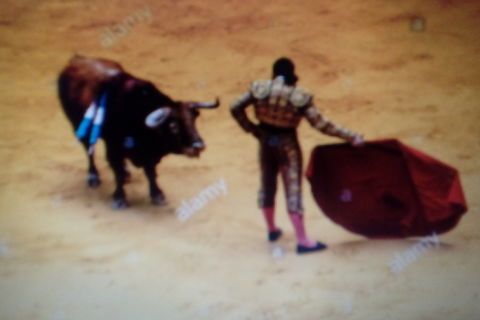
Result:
[[283, 106]]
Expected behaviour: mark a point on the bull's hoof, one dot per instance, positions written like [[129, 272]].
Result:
[[120, 204], [159, 200], [93, 180]]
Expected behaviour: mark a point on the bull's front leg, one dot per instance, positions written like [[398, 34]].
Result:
[[156, 194], [116, 159], [93, 178]]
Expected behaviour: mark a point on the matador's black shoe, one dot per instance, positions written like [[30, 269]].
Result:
[[303, 249], [274, 235]]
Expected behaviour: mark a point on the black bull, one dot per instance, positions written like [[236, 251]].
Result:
[[140, 123]]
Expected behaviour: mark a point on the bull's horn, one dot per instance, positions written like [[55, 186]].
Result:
[[206, 105], [157, 117]]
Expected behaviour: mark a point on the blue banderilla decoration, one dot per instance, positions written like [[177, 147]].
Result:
[[95, 115]]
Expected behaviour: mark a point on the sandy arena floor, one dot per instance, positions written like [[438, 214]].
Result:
[[64, 254]]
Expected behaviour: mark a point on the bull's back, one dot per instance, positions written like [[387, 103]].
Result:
[[81, 82]]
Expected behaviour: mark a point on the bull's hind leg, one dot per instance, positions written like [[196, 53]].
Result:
[[156, 194], [128, 173], [93, 178]]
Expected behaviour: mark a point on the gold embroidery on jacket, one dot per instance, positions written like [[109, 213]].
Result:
[[275, 104]]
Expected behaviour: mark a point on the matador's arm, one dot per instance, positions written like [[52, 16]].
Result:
[[237, 108], [322, 124]]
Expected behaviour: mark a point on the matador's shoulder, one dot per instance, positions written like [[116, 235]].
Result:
[[300, 97], [261, 88]]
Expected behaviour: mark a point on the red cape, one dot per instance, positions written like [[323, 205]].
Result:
[[385, 189]]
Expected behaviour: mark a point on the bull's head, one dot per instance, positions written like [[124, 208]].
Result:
[[179, 120]]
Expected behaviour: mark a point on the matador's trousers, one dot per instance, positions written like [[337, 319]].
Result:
[[280, 152]]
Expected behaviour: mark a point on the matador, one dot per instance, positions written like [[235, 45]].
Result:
[[279, 107]]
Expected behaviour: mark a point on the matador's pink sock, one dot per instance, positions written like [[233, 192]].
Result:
[[269, 214], [274, 233], [302, 239]]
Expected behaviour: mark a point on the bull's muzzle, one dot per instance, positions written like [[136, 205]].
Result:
[[198, 145], [195, 149]]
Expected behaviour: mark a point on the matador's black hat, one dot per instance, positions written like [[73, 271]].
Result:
[[285, 67]]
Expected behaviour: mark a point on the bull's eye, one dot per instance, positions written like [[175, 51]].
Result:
[[174, 127]]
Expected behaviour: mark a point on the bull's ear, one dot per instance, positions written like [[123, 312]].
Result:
[[157, 117]]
